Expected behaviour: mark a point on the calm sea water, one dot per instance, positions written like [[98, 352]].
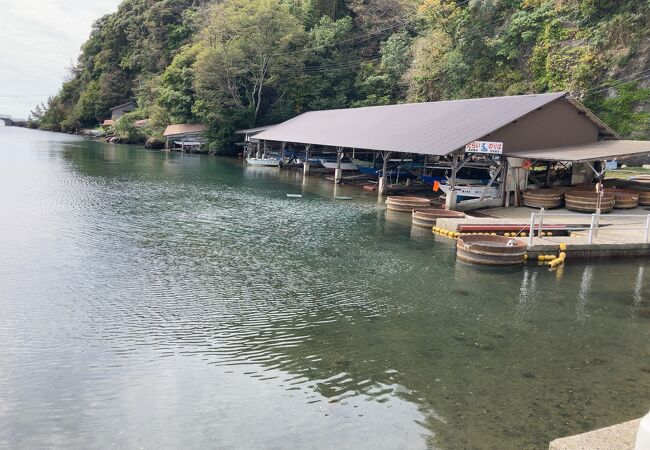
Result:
[[163, 300]]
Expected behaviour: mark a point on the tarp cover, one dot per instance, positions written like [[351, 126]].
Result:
[[587, 152], [436, 128]]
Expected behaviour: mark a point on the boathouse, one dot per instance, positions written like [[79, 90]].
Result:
[[525, 129], [185, 137]]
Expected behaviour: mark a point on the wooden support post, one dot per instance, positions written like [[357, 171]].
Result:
[[489, 185], [517, 187], [383, 180], [450, 201], [547, 182], [338, 173], [505, 195], [305, 164], [259, 151]]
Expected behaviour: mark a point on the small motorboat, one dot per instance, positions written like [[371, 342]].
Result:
[[361, 163], [269, 162], [346, 164], [473, 190], [430, 180], [312, 161]]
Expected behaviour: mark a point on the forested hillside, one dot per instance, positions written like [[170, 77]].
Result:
[[241, 63]]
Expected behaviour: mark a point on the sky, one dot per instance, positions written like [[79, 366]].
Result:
[[39, 40]]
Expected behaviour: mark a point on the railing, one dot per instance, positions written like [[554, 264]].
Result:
[[593, 226]]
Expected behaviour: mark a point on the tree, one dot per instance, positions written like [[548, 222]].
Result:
[[251, 53], [176, 92]]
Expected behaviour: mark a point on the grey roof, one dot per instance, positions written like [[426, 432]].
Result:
[[436, 128], [587, 152], [124, 104]]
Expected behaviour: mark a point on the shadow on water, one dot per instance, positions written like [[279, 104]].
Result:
[[314, 318]]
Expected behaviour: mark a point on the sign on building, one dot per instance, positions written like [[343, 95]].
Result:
[[491, 148]]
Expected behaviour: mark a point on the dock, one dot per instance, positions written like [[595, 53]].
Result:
[[620, 234]]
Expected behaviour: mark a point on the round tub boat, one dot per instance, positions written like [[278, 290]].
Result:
[[407, 204], [543, 198], [490, 250], [429, 217], [623, 198], [644, 197], [587, 202]]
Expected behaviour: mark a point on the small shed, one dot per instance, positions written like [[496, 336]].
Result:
[[119, 110], [185, 137]]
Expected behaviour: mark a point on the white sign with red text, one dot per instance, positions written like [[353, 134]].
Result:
[[490, 148]]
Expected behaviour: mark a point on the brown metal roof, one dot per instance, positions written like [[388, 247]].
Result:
[[587, 152], [436, 128], [183, 128]]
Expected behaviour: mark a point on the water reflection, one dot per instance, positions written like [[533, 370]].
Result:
[[527, 293], [638, 287], [584, 293], [190, 298]]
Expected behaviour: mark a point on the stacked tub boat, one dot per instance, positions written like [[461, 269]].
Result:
[[543, 198], [583, 198], [588, 201]]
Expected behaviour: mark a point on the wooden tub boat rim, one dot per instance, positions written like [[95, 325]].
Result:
[[419, 200], [491, 245], [437, 213]]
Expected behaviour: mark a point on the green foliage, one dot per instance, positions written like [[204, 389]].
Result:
[[383, 84], [176, 92], [127, 131], [239, 63], [247, 62], [621, 112], [55, 113]]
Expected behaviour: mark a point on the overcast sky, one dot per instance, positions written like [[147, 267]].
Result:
[[39, 39]]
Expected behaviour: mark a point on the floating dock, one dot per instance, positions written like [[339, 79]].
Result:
[[618, 235]]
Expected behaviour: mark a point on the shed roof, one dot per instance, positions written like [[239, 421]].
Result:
[[184, 128], [435, 128], [587, 152], [123, 105], [254, 130]]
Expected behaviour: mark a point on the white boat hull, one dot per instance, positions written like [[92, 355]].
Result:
[[269, 162], [473, 191], [359, 162], [334, 165]]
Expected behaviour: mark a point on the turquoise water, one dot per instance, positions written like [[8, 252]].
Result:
[[179, 301]]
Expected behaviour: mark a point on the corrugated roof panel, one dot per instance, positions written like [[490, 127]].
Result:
[[435, 128], [587, 152]]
